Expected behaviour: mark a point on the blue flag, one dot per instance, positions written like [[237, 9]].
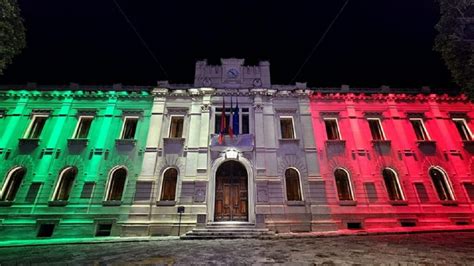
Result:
[[235, 122]]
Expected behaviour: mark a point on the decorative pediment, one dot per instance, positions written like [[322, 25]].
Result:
[[329, 114], [458, 115], [416, 115], [76, 161], [373, 114], [19, 160], [294, 161], [281, 110], [170, 161], [86, 112], [46, 112], [132, 112], [177, 110]]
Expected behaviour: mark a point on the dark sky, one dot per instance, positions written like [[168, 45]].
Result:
[[374, 42]]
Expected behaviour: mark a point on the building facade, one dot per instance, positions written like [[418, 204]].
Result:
[[395, 159], [232, 148], [70, 159]]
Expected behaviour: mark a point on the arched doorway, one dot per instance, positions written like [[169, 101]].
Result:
[[231, 197]]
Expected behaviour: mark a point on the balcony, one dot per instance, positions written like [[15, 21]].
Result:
[[125, 142], [335, 146], [427, 146], [425, 143], [382, 146], [468, 145], [125, 145], [244, 142], [29, 142], [77, 142]]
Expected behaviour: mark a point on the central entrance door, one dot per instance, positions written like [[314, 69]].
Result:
[[231, 192]]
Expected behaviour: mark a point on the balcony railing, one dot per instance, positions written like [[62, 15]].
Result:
[[245, 142]]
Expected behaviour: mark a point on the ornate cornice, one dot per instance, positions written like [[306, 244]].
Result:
[[379, 97], [80, 94]]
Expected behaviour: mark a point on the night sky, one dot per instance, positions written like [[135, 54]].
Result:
[[373, 43]]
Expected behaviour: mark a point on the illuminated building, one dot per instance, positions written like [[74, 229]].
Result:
[[86, 161]]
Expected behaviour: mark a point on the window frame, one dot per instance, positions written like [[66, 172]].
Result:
[[162, 181], [423, 126], [463, 120], [242, 113], [299, 184], [446, 180], [170, 124], [399, 185], [7, 181], [74, 135], [109, 182], [292, 124], [348, 180], [33, 119], [58, 182], [380, 126], [125, 118], [337, 127]]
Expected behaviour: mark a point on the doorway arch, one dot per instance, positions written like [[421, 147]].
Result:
[[231, 156], [231, 193]]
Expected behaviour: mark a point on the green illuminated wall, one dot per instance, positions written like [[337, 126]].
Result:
[[94, 158]]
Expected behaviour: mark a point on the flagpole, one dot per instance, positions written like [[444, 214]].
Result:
[[223, 126]]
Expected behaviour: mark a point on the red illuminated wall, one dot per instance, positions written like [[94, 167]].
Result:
[[411, 160]]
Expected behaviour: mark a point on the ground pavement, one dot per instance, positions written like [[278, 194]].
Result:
[[406, 249]]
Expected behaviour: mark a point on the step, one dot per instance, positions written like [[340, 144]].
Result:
[[228, 231], [232, 229]]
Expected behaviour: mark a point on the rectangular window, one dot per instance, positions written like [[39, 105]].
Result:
[[287, 127], [470, 190], [33, 192], [36, 127], [46, 230], [332, 129], [463, 129], [243, 120], [376, 129], [422, 193], [419, 128], [103, 229], [129, 127], [82, 128], [371, 192], [87, 190], [176, 127]]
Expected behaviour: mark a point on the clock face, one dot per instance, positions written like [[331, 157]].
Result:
[[232, 73]]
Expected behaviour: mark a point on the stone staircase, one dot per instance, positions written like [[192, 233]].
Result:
[[228, 231]]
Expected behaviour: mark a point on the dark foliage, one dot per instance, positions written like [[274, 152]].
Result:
[[12, 32]]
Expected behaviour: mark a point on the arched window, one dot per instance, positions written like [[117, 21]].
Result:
[[12, 184], [65, 182], [116, 184], [392, 184], [343, 184], [168, 187], [293, 189], [441, 183]]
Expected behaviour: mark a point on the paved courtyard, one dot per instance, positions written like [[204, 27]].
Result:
[[429, 248]]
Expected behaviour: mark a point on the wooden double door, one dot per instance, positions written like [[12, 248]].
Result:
[[231, 192]]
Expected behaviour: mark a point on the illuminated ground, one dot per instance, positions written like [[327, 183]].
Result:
[[438, 248]]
